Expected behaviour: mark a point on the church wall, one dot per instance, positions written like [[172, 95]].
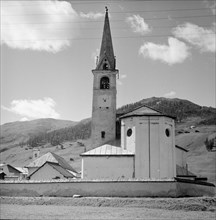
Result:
[[154, 149], [167, 155], [163, 151], [142, 149], [103, 188], [31, 170], [128, 142], [98, 74], [107, 167]]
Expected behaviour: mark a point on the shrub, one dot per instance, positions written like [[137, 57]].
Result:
[[209, 144]]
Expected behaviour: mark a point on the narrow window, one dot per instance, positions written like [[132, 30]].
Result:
[[102, 134], [104, 83], [105, 66]]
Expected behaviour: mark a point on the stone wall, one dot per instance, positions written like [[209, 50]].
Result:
[[105, 188]]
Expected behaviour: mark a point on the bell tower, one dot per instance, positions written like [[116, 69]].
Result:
[[103, 125]]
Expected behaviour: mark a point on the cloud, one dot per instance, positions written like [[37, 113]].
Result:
[[91, 15], [175, 52], [119, 80], [44, 26], [170, 94], [138, 24], [33, 109], [123, 76], [204, 39], [211, 6], [24, 119], [95, 55]]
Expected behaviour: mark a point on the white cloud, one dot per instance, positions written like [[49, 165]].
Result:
[[175, 52], [91, 15], [204, 39], [119, 80], [120, 83], [123, 76], [94, 56], [44, 26], [170, 94], [24, 119], [211, 5], [33, 109], [138, 24]]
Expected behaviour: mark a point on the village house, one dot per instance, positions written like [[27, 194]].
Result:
[[50, 166], [8, 172]]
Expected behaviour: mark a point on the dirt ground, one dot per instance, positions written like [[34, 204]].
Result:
[[107, 208]]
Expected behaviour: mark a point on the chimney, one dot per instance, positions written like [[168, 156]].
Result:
[[36, 153]]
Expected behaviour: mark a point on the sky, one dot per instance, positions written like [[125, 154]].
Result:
[[49, 48]]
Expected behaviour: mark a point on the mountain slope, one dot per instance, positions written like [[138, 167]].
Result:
[[179, 108], [15, 132], [199, 160]]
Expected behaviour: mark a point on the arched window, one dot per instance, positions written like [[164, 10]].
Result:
[[104, 83]]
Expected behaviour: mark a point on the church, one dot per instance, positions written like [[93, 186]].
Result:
[[147, 149]]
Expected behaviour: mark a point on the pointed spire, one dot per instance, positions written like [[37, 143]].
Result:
[[106, 58]]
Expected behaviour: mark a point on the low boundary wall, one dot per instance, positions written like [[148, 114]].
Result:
[[105, 189]]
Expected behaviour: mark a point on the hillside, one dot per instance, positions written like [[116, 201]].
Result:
[[179, 108], [200, 161], [70, 139], [16, 132]]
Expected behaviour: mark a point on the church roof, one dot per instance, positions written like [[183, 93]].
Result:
[[144, 111], [108, 150], [51, 157], [106, 51], [181, 148]]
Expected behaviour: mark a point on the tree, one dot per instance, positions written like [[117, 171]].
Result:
[[210, 144]]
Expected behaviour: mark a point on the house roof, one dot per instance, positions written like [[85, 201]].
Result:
[[108, 150], [144, 111], [22, 170], [11, 169], [181, 148], [51, 157], [57, 167]]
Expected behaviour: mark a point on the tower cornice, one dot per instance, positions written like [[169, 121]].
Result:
[[105, 71]]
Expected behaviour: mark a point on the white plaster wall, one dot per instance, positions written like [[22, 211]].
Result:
[[31, 170], [155, 147], [128, 143], [167, 148], [46, 173], [154, 151], [107, 167], [180, 157], [142, 149]]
